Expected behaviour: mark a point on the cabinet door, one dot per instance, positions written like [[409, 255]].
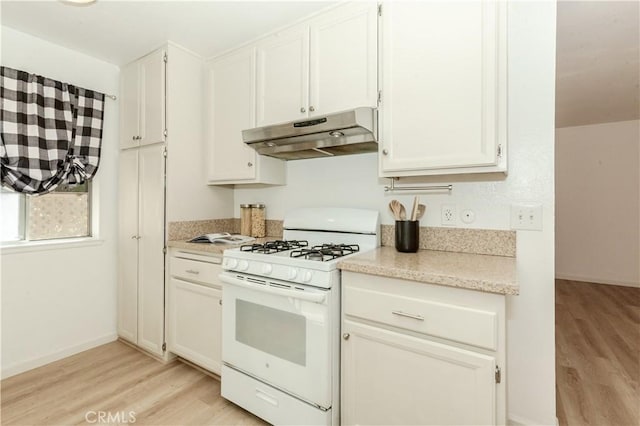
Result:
[[152, 98], [150, 246], [232, 109], [130, 107], [283, 77], [195, 323], [443, 86], [128, 246], [344, 59], [394, 379]]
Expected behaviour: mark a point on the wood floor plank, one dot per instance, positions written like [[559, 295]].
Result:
[[597, 354], [117, 379]]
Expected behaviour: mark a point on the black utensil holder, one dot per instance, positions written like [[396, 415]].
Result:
[[407, 236]]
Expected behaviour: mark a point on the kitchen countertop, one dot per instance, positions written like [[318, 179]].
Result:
[[493, 274], [215, 248]]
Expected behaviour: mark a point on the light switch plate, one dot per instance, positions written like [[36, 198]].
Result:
[[526, 217]]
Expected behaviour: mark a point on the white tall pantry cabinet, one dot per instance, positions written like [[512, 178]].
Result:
[[162, 111], [141, 248]]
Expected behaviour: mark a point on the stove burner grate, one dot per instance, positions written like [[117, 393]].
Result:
[[325, 252], [275, 246]]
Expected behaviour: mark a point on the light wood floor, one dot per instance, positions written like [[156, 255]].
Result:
[[597, 354], [117, 378]]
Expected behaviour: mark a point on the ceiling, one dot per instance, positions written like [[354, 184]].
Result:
[[598, 68], [597, 52], [121, 31]]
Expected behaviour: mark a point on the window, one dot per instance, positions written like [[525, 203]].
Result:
[[63, 213]]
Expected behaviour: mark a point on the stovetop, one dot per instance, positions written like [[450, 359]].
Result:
[[314, 241], [296, 261], [300, 249]]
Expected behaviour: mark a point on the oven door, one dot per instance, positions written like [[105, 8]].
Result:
[[280, 333]]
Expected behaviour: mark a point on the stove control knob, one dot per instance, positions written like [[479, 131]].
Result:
[[243, 265], [267, 269], [293, 273], [231, 263], [307, 276]]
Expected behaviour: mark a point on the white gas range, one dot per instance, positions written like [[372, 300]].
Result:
[[281, 315]]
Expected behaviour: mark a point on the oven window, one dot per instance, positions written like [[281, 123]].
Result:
[[279, 333]]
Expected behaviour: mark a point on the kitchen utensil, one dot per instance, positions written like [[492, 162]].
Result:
[[396, 208], [421, 210], [414, 209], [403, 212]]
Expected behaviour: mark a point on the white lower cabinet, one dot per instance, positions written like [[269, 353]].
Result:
[[410, 354], [141, 247], [195, 309]]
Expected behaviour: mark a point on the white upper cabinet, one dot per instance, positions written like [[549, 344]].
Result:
[[283, 76], [325, 65], [343, 60], [443, 67], [142, 97], [130, 106], [231, 109]]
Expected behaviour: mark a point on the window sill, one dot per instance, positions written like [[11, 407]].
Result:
[[60, 244]]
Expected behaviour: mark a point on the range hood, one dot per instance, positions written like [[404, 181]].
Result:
[[349, 132]]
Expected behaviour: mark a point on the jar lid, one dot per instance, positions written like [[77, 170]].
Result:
[[245, 206], [258, 206]]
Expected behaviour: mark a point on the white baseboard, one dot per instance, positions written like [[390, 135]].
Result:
[[596, 280], [515, 420], [22, 366]]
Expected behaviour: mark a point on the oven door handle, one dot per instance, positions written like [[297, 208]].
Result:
[[296, 294]]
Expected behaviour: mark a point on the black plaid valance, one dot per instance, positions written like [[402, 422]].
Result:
[[51, 132]]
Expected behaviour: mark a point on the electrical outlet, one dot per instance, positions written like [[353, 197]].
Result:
[[526, 217], [449, 214]]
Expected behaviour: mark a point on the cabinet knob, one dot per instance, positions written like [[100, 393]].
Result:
[[311, 108], [220, 302], [250, 164], [135, 138], [385, 152], [346, 336], [303, 109]]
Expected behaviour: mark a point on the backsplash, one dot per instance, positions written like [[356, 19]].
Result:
[[186, 230], [460, 240]]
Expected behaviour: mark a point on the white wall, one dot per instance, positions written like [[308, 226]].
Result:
[[352, 181], [188, 195], [58, 302], [598, 202]]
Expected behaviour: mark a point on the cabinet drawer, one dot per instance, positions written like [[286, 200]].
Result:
[[444, 320], [195, 270]]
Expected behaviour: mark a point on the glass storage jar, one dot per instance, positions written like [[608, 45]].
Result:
[[245, 219], [258, 220]]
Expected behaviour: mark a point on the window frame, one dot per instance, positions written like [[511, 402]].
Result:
[[25, 244]]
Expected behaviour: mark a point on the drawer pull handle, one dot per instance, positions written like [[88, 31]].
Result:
[[404, 314], [266, 397], [191, 271]]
